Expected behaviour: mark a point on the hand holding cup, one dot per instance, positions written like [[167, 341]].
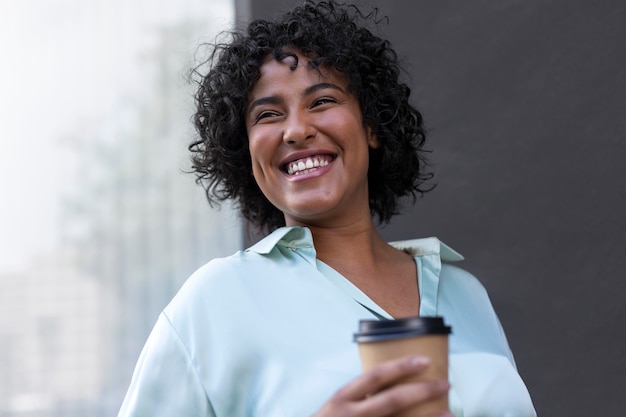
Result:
[[386, 390], [383, 340]]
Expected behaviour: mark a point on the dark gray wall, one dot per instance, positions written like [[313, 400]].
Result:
[[526, 102]]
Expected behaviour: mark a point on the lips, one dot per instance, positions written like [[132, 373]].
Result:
[[308, 164]]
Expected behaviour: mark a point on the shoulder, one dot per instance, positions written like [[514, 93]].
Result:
[[464, 301], [453, 275], [226, 285], [464, 290], [251, 264], [217, 272], [215, 286]]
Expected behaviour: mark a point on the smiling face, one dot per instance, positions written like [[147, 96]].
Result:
[[308, 144]]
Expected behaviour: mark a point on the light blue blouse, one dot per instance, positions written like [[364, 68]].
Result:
[[268, 332]]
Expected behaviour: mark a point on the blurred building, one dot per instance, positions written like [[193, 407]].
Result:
[[129, 226]]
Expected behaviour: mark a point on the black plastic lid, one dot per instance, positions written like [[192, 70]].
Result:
[[380, 330]]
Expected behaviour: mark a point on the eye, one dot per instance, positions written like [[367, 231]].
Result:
[[323, 100], [264, 115]]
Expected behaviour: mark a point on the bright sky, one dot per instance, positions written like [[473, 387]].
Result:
[[63, 63]]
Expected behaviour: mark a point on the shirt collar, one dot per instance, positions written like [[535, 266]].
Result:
[[300, 237], [428, 246], [291, 236]]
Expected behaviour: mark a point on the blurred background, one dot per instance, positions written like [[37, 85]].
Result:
[[99, 226]]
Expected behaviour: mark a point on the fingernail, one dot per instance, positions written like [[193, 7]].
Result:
[[420, 361], [444, 386]]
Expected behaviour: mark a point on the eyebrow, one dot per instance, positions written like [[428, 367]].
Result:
[[321, 86], [262, 101], [307, 91]]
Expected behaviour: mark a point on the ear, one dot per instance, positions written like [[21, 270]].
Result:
[[372, 139]]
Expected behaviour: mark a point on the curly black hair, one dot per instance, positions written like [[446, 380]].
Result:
[[332, 33]]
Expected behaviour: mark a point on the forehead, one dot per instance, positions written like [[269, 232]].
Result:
[[291, 71]]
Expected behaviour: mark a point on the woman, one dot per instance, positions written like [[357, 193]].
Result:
[[303, 122]]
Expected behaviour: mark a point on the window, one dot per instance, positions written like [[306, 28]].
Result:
[[99, 225]]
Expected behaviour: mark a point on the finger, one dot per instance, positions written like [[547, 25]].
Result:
[[400, 397], [382, 376]]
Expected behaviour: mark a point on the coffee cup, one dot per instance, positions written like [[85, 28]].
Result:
[[383, 340]]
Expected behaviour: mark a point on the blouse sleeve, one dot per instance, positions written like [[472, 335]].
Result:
[[165, 382]]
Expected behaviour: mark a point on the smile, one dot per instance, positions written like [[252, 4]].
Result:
[[306, 165]]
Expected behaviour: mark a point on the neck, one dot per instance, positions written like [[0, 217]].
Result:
[[358, 252], [349, 244]]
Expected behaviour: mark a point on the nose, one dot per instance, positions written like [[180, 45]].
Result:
[[298, 127]]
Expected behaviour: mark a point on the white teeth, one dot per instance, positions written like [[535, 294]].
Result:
[[306, 165]]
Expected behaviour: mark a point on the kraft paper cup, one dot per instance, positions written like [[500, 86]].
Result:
[[383, 340]]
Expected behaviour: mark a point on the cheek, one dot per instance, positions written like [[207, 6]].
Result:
[[255, 146], [345, 121], [261, 141], [260, 157]]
